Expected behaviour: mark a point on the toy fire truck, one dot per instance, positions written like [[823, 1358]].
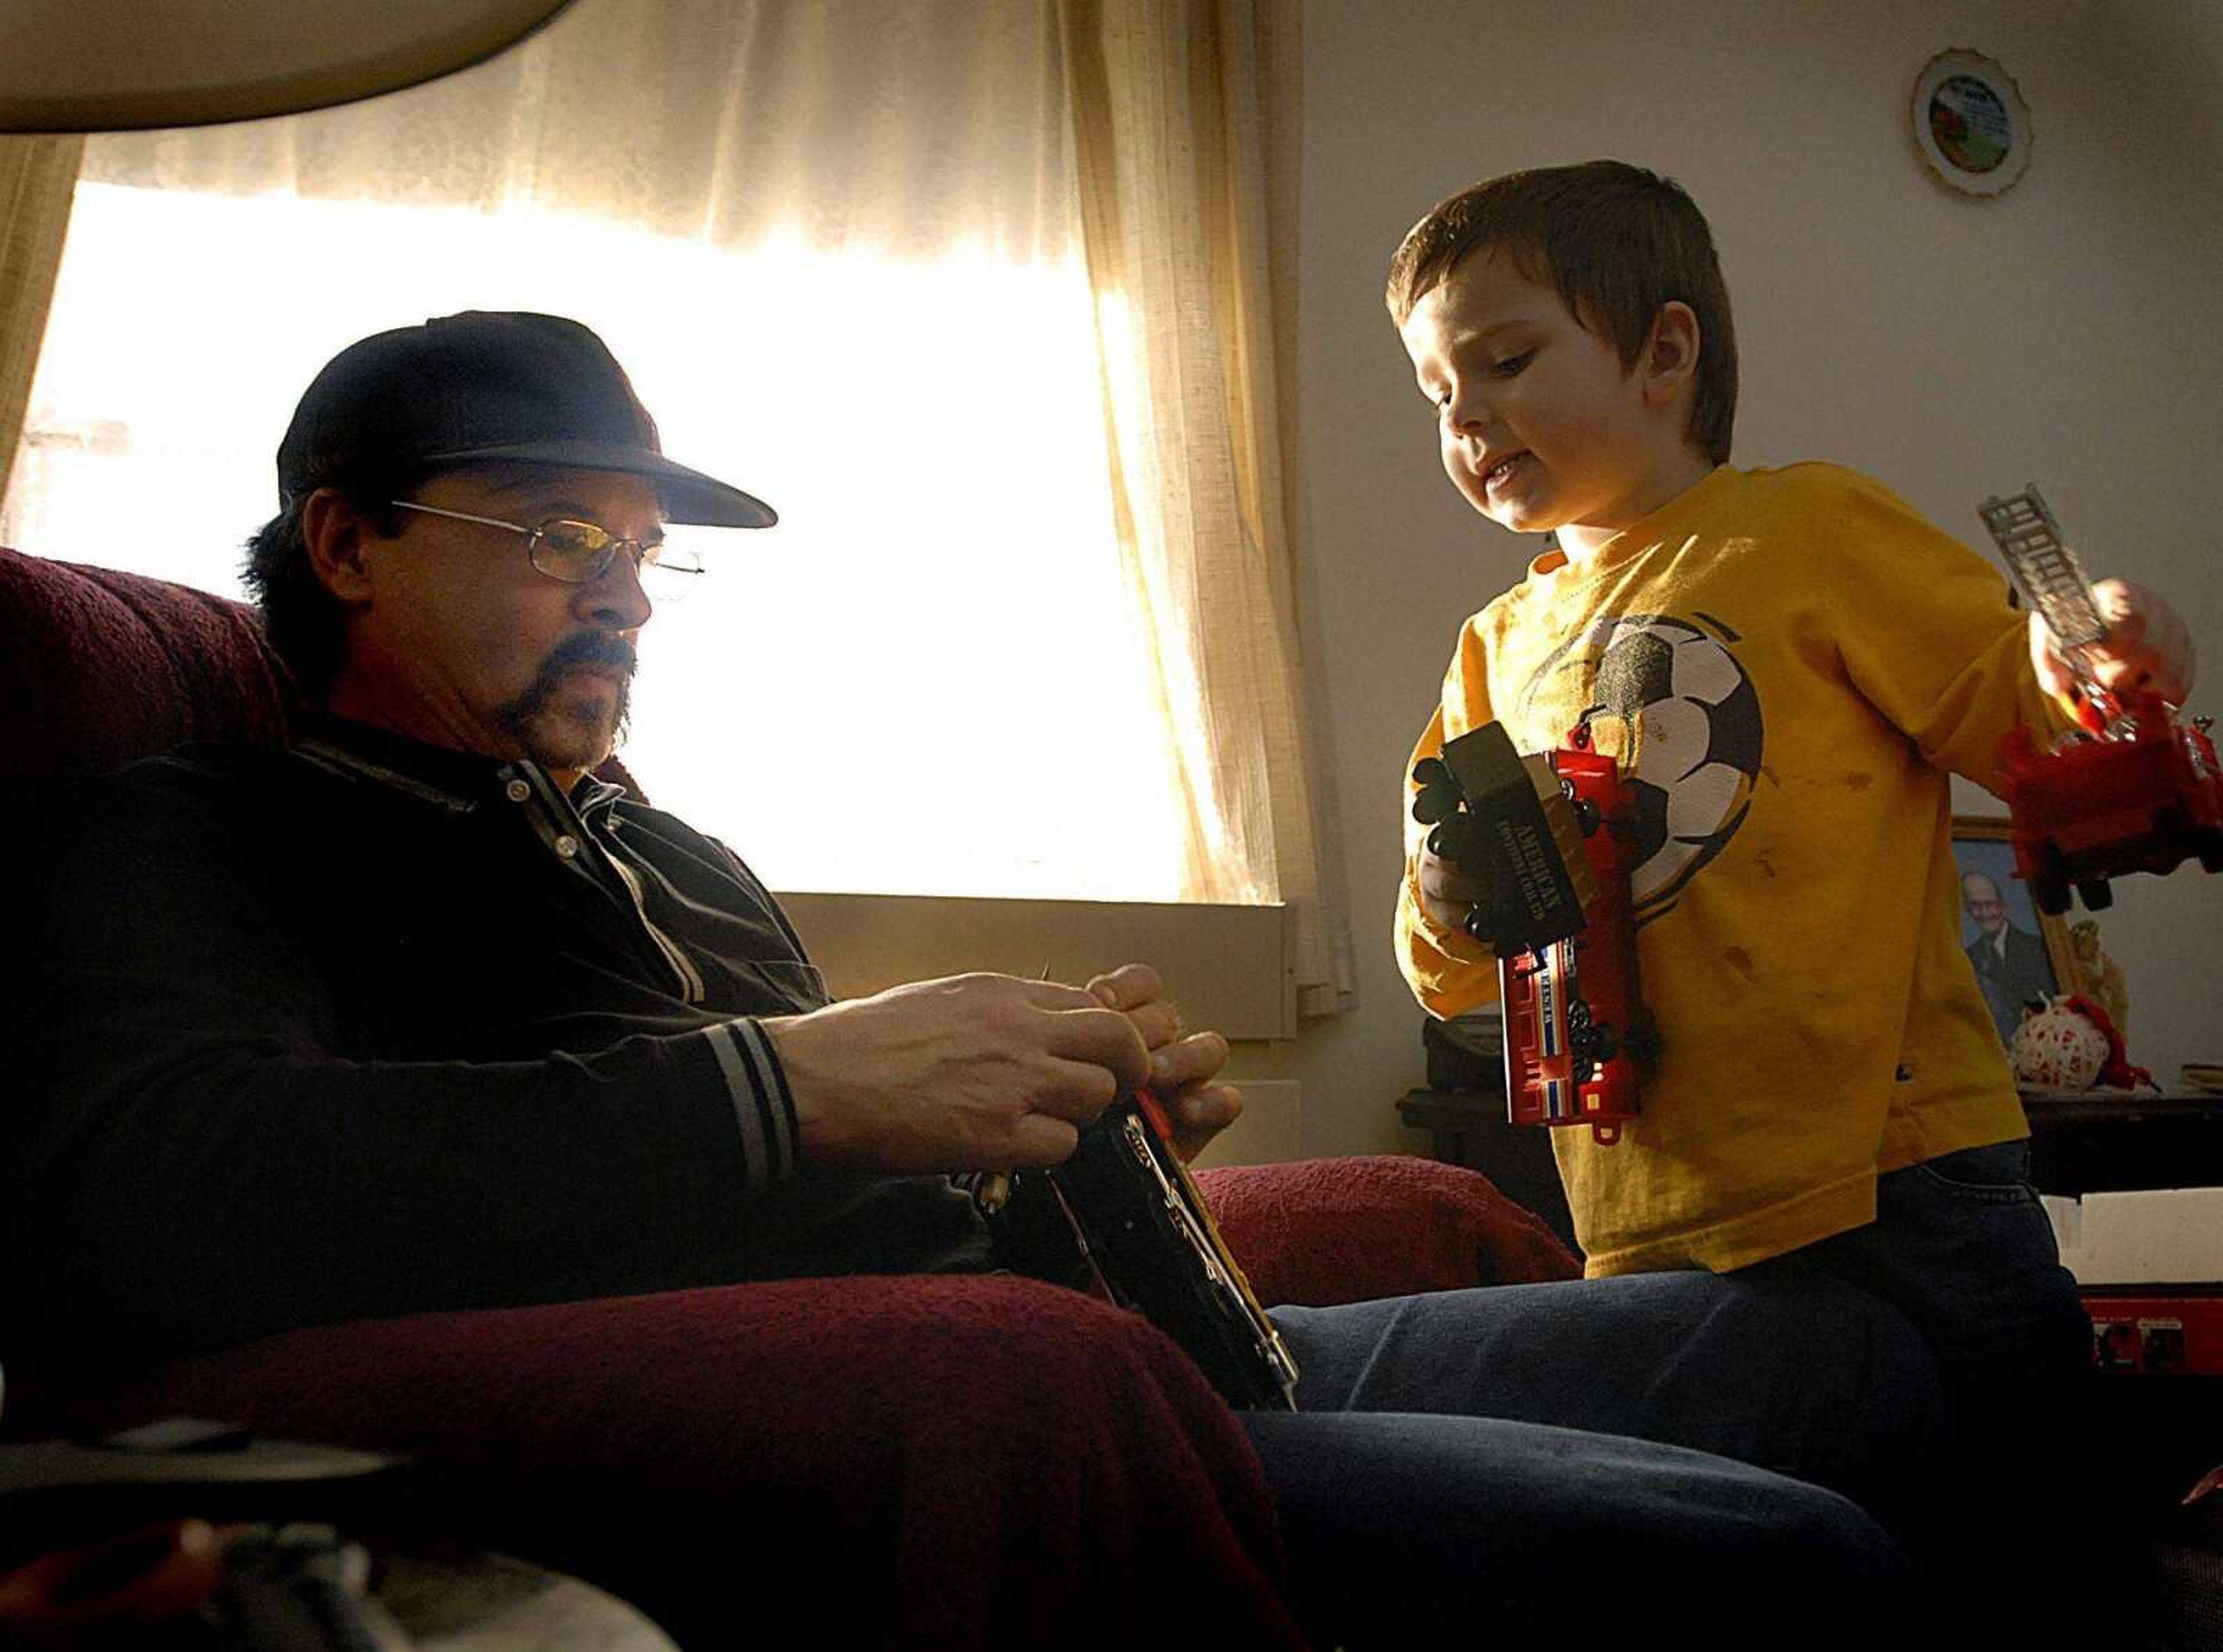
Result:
[[1550, 836], [2137, 790], [1124, 1212]]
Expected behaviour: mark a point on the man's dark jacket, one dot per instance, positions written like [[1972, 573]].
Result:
[[369, 1028], [2013, 977]]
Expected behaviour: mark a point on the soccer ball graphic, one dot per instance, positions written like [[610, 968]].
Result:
[[1690, 738]]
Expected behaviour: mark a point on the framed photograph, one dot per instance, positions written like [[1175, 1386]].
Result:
[[2019, 952], [1970, 123]]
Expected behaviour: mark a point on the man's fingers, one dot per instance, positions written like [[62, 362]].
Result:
[[1158, 1021], [1055, 995], [1201, 1116], [1178, 1069], [1039, 1139], [1187, 1061], [1135, 989], [1104, 1037], [1128, 987], [1212, 1108]]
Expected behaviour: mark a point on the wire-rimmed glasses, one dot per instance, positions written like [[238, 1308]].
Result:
[[578, 553]]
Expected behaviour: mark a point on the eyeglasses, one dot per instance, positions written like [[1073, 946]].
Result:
[[578, 553]]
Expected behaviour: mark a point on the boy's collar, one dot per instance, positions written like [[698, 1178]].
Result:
[[1637, 534]]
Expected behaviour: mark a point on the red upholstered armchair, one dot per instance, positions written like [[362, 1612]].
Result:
[[980, 1461]]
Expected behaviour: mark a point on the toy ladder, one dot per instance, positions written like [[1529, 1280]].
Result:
[[2043, 569]]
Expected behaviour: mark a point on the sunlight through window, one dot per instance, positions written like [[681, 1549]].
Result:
[[927, 679]]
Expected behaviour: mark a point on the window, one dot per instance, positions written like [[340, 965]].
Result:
[[928, 679], [983, 294]]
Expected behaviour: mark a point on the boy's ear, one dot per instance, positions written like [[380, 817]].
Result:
[[336, 536], [1669, 362]]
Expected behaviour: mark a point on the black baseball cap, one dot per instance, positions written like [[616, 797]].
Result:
[[491, 386]]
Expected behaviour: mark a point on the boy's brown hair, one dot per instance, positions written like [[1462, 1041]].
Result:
[[1616, 240]]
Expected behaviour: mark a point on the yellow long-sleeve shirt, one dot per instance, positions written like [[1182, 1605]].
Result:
[[1791, 662]]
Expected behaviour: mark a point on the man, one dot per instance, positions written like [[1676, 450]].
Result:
[[2012, 966], [420, 1015]]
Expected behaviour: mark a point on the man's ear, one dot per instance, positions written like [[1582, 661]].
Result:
[[337, 535], [1669, 362]]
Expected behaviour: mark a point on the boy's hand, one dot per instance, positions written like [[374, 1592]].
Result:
[[1450, 887], [1447, 895], [2147, 648], [1182, 1070]]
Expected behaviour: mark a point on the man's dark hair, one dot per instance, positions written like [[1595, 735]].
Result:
[[1617, 242], [304, 621]]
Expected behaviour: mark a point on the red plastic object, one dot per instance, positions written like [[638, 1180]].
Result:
[[2156, 1332], [1577, 1034], [1154, 1111], [2143, 797]]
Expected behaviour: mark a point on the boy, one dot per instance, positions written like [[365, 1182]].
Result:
[[1791, 662]]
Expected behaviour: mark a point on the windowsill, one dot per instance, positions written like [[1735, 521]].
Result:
[[1227, 966]]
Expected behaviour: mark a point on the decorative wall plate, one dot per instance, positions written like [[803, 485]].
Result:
[[1971, 123]]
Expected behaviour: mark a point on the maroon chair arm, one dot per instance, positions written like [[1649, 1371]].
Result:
[[99, 666], [1013, 1464], [1322, 1231]]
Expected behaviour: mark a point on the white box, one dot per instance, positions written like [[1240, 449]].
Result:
[[2166, 1236]]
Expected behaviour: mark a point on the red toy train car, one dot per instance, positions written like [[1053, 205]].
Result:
[[2141, 796], [2139, 791], [1576, 1030]]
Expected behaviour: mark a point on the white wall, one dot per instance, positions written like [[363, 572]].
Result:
[[2069, 333]]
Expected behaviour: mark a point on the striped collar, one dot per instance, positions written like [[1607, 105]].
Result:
[[460, 782]]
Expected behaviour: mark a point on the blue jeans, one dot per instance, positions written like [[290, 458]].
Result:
[[1405, 1532], [1813, 1379], [1883, 1363], [1961, 1246]]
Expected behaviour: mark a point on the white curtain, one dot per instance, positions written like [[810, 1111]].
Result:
[[1184, 117], [904, 126], [38, 178], [1149, 144]]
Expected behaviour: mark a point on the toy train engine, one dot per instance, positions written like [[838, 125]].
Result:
[[1551, 837], [2144, 798], [2137, 790]]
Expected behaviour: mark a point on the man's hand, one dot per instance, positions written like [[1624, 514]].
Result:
[[973, 1072], [2147, 648], [1182, 1069]]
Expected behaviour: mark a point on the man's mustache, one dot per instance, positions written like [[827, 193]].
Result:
[[589, 647]]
